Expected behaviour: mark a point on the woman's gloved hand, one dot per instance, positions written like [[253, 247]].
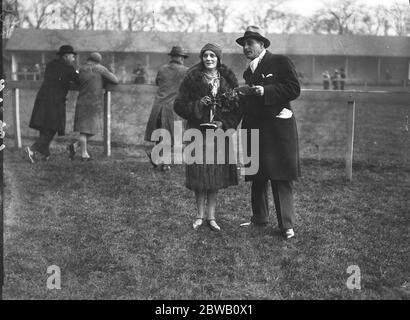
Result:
[[205, 101]]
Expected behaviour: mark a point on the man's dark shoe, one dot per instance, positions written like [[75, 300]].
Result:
[[71, 152]]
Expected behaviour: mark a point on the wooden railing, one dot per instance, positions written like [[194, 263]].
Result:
[[347, 98], [15, 87]]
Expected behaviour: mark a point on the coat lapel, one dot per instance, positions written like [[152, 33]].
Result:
[[259, 69]]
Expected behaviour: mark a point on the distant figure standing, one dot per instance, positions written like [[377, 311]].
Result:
[[335, 80], [342, 78], [326, 80], [387, 75], [168, 79], [89, 107], [140, 74], [49, 112], [37, 72]]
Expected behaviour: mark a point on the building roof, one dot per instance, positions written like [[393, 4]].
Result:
[[129, 41]]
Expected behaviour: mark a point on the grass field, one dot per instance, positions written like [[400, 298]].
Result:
[[119, 230]]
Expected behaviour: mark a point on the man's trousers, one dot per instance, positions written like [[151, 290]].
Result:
[[283, 199]]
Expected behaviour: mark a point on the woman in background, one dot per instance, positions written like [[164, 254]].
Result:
[[205, 82], [89, 107]]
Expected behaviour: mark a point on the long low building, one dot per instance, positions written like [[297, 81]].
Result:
[[365, 59]]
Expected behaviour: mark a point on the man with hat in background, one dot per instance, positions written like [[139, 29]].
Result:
[[168, 80], [272, 83], [49, 112]]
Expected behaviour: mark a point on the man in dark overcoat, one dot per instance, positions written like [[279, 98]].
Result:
[[273, 84], [49, 112]]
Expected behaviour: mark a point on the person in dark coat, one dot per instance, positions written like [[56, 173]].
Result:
[[88, 111], [336, 80], [274, 84], [342, 78], [168, 80], [326, 80], [49, 112], [140, 74], [209, 78]]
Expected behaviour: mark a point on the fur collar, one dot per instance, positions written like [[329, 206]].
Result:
[[195, 74]]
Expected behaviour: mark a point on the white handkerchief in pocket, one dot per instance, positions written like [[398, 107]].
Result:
[[285, 114]]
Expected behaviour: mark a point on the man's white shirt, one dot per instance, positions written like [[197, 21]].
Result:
[[255, 62]]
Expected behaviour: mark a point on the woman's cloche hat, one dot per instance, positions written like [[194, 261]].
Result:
[[253, 32]]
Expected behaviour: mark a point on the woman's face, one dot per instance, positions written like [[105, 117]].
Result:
[[210, 60]]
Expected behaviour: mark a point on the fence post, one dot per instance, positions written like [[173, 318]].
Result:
[[16, 118], [351, 109], [107, 123]]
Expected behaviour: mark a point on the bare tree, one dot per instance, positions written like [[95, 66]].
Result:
[[340, 18], [266, 15], [218, 12], [399, 14], [93, 13], [38, 13], [12, 16], [178, 17], [290, 23], [138, 15], [374, 20], [73, 12]]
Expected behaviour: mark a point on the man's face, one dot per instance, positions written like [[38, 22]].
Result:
[[69, 58], [252, 48]]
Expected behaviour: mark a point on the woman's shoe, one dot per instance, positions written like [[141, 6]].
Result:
[[29, 155], [165, 167], [154, 165], [288, 234], [86, 158], [213, 225], [198, 222]]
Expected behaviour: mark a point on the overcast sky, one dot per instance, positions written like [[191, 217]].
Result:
[[307, 7]]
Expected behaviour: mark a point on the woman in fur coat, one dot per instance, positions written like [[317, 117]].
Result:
[[206, 82]]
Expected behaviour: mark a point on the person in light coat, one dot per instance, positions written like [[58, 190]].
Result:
[[89, 108]]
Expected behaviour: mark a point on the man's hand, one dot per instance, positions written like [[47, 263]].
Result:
[[258, 90]]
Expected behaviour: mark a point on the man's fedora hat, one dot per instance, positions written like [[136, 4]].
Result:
[[253, 32], [178, 51], [65, 49]]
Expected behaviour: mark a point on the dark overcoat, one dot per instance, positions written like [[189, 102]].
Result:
[[200, 177], [168, 80], [49, 110], [89, 107], [278, 138]]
